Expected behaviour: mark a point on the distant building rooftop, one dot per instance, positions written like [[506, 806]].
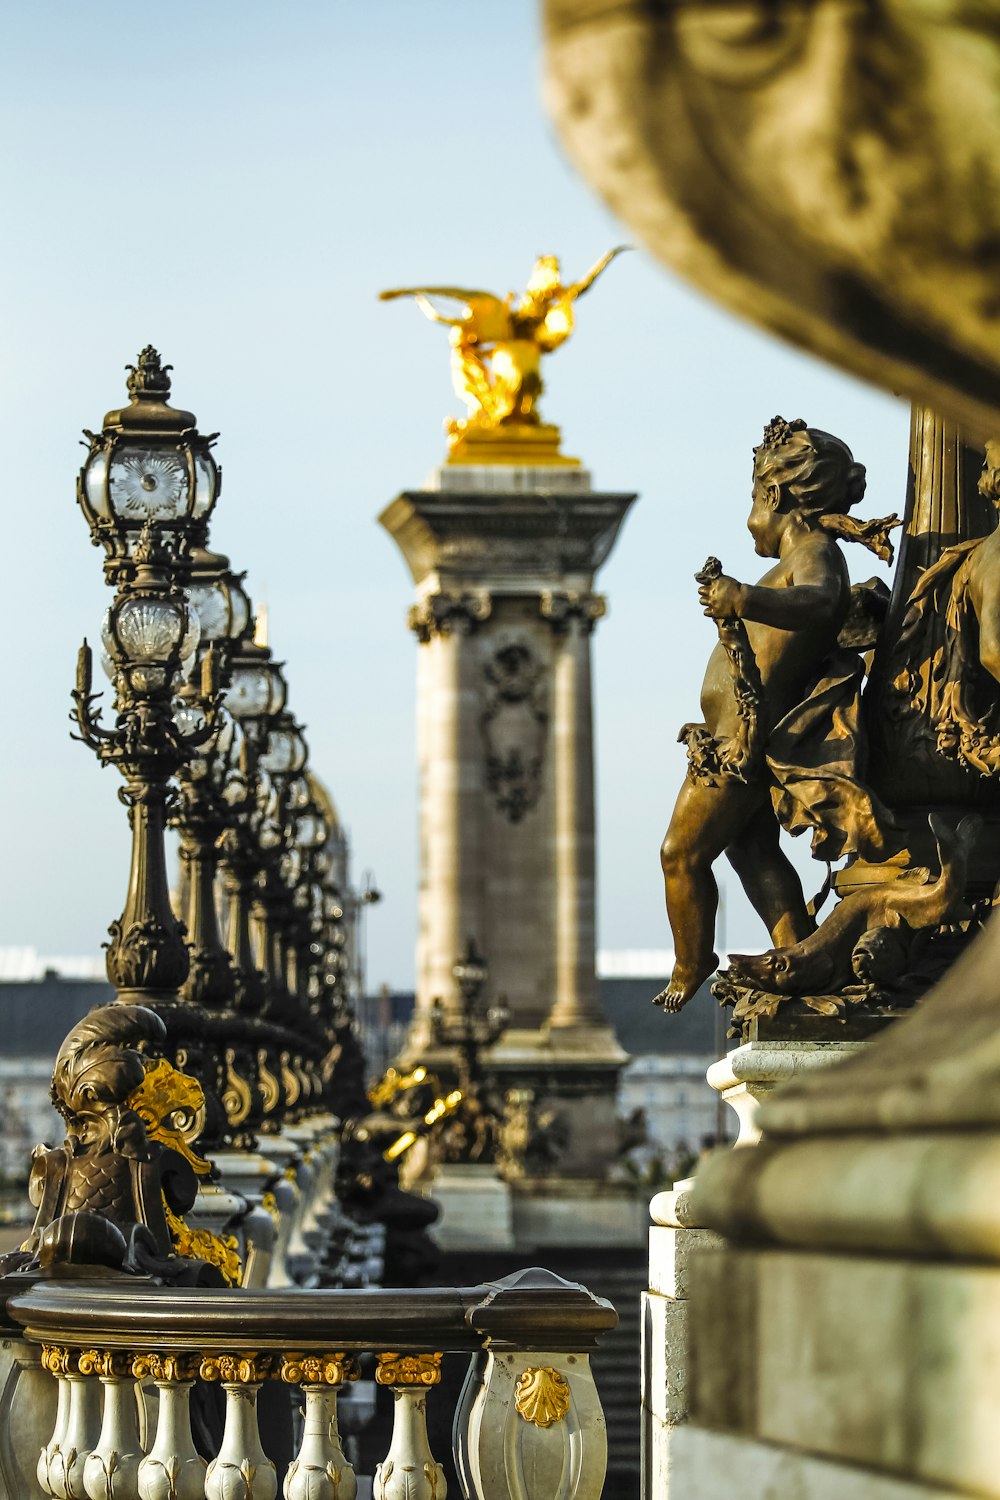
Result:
[[36, 1014], [27, 964]]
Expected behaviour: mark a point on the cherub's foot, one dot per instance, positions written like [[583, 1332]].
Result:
[[685, 983]]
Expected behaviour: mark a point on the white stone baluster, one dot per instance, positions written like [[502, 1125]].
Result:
[[173, 1469], [531, 1424], [111, 1469], [408, 1471], [55, 1360], [320, 1471], [81, 1436], [241, 1470]]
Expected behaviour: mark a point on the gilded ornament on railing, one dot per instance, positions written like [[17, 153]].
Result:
[[541, 1396], [270, 1088], [269, 1204], [106, 1362], [238, 1369], [171, 1105], [219, 1250], [319, 1369], [408, 1369], [237, 1095], [172, 1367], [58, 1360]]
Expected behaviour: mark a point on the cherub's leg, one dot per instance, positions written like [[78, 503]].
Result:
[[705, 820], [770, 879]]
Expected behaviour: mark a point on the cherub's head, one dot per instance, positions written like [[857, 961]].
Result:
[[989, 479], [799, 472]]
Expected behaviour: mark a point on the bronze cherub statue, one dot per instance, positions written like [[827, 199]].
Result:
[[781, 737]]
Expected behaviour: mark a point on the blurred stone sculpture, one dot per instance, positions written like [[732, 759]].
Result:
[[954, 690], [781, 742], [821, 172], [497, 344]]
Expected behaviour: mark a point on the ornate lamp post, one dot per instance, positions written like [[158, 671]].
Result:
[[147, 489], [469, 1034], [217, 596], [255, 695]]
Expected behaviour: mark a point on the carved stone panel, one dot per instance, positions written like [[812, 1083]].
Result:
[[515, 722]]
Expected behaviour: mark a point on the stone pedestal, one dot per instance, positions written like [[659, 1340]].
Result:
[[503, 557], [749, 1073], [679, 1243], [554, 1212], [475, 1209]]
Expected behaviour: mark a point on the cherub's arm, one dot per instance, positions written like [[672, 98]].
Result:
[[812, 596], [586, 282]]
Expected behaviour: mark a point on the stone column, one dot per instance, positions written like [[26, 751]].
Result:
[[449, 906], [572, 617]]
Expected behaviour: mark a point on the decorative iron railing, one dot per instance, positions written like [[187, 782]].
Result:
[[110, 1389]]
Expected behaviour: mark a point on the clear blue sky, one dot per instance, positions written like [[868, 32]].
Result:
[[235, 182]]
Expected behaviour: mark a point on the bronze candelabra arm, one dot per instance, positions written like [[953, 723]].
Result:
[[93, 733]]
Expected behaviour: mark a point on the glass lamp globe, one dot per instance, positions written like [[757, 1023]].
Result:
[[218, 597], [286, 752], [256, 688], [148, 628], [149, 464]]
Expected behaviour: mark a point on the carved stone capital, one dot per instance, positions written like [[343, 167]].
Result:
[[408, 1369], [175, 1368], [446, 614], [319, 1369], [248, 1368], [111, 1363], [562, 609]]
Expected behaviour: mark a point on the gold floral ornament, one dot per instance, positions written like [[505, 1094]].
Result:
[[58, 1360], [408, 1369], [238, 1369], [269, 1204], [174, 1368], [541, 1396], [219, 1250], [319, 1369], [107, 1362], [171, 1105]]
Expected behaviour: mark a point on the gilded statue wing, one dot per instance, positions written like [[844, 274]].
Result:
[[487, 318], [586, 282], [456, 293]]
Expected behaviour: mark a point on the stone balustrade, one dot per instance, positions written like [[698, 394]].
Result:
[[121, 1379]]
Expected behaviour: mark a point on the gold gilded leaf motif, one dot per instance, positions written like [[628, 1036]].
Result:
[[269, 1204], [408, 1369], [238, 1369], [270, 1088], [221, 1251], [171, 1105], [237, 1096], [105, 1362], [170, 1367], [541, 1396], [57, 1360], [319, 1369]]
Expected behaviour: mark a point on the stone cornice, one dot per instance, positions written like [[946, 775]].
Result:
[[498, 537]]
